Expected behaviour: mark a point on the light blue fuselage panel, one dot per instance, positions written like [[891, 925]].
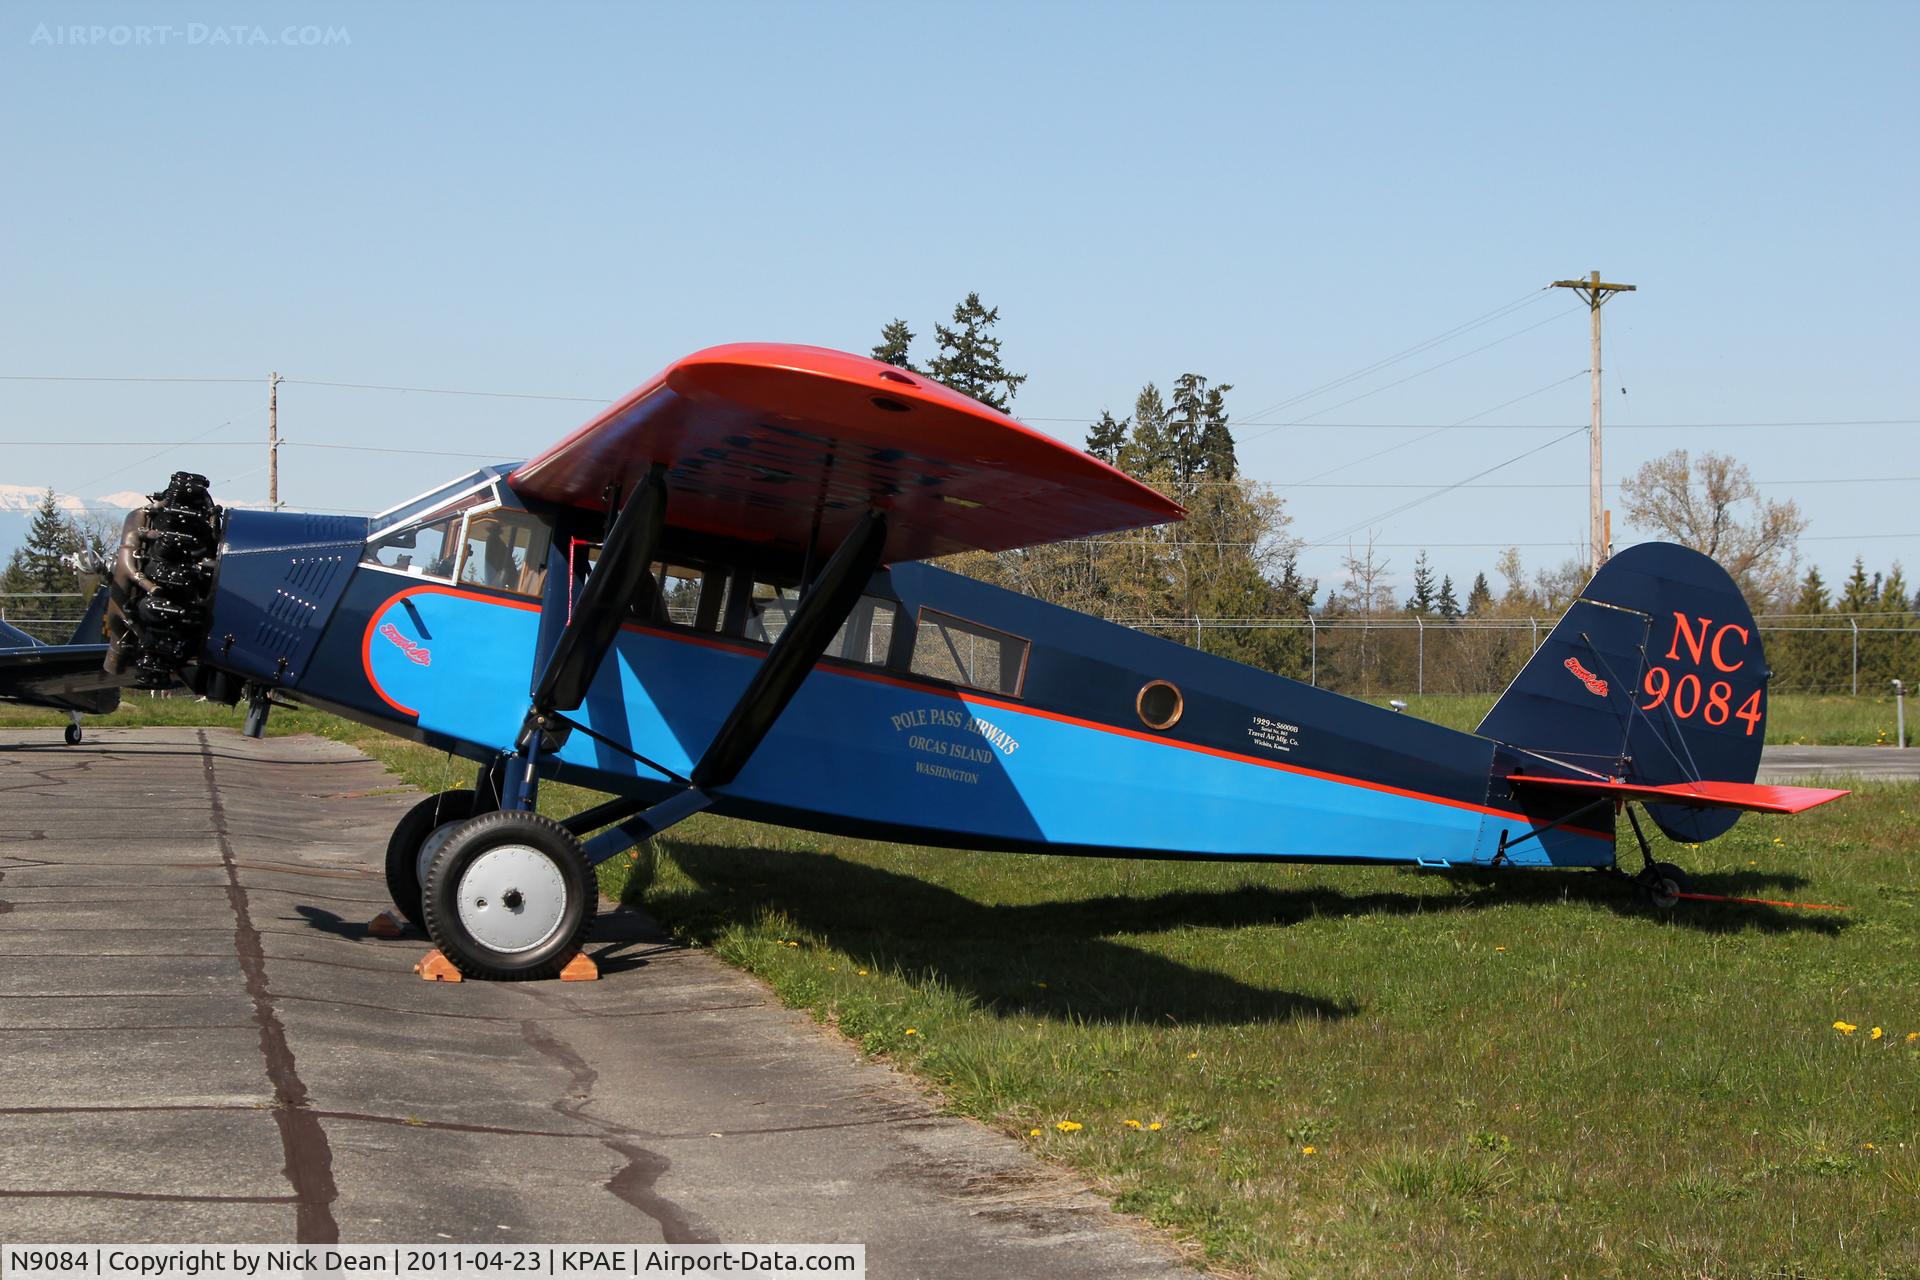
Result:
[[866, 752]]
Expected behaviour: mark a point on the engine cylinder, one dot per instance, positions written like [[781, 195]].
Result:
[[162, 586]]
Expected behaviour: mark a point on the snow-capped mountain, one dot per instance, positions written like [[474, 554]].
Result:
[[18, 502]]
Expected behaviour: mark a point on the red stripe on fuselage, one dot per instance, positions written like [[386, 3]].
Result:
[[969, 697]]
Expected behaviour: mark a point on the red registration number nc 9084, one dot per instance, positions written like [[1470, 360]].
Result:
[[1714, 654]]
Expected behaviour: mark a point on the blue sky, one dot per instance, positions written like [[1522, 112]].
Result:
[[560, 199]]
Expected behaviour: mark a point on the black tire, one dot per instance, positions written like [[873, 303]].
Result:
[[1663, 883], [556, 883], [403, 847], [73, 735]]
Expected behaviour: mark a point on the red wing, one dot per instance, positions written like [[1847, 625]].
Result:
[[759, 437], [1752, 796]]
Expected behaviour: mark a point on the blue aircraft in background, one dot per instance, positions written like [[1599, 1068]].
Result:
[[68, 677]]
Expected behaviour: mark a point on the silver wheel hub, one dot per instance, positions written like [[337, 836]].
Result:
[[511, 899], [430, 848]]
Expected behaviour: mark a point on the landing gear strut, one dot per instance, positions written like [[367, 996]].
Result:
[[1662, 882]]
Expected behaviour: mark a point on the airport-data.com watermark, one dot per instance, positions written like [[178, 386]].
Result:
[[193, 35]]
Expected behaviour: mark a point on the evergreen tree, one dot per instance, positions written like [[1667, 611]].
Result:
[[969, 356], [1447, 605], [1858, 597], [1217, 454], [39, 571], [1479, 597], [1813, 593], [896, 346], [1149, 448], [1893, 595], [1422, 600], [1198, 437], [1107, 437]]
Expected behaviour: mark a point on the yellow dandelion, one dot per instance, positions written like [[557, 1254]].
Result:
[[793, 944], [1752, 863], [1068, 1126], [1912, 1036], [1131, 1124], [1041, 985], [1845, 1028], [1875, 1034], [1499, 948], [1154, 1127], [913, 1031], [1869, 1146], [1309, 1151], [1193, 1055], [1033, 1133], [863, 973]]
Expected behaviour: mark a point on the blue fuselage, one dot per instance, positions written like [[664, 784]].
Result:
[[1254, 766]]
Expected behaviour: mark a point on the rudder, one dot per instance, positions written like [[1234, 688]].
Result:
[[1655, 675]]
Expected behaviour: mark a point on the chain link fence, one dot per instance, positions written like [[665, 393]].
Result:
[[1374, 657], [1377, 657]]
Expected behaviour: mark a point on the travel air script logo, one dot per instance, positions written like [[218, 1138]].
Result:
[[1595, 685], [415, 652]]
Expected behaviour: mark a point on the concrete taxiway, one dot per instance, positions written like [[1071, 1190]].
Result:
[[202, 1044]]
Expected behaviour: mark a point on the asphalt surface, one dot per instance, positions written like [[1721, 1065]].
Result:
[[202, 1044], [1800, 764]]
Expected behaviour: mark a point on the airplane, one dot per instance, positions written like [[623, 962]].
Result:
[[68, 677], [715, 597]]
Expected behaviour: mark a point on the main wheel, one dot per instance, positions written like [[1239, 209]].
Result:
[[1663, 883], [73, 735], [510, 895], [415, 839]]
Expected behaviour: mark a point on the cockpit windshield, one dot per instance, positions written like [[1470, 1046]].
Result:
[[442, 496]]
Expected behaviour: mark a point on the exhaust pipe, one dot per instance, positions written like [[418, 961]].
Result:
[[161, 595]]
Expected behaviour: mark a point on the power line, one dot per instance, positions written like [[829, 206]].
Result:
[[1408, 506], [445, 391], [1526, 299], [40, 377], [1403, 381], [1381, 453], [1544, 426]]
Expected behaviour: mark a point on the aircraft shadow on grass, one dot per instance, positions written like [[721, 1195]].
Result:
[[1000, 954]]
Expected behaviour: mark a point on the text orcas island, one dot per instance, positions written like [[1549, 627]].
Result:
[[950, 718]]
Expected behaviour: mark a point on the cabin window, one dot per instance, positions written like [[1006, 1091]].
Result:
[[1159, 704], [961, 652], [864, 637], [680, 591], [867, 632], [505, 550]]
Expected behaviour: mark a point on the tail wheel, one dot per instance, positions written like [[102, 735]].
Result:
[[1663, 883], [510, 895], [415, 839], [73, 735]]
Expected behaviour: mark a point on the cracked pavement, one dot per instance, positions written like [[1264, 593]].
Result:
[[203, 1044]]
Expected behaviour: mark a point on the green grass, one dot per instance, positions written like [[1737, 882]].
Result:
[[1797, 718], [1516, 1076]]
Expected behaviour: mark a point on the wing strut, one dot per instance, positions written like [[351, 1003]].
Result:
[[615, 580], [828, 602]]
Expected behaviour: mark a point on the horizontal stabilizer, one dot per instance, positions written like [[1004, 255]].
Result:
[[1753, 797]]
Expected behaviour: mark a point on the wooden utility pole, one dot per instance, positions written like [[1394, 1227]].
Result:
[[1595, 293], [273, 441]]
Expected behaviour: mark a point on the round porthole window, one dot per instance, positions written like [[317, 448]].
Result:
[[1159, 705]]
